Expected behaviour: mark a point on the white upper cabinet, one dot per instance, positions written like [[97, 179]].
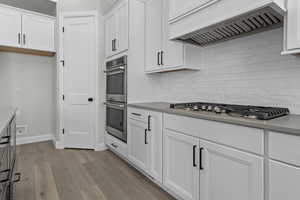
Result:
[[10, 33], [161, 53], [153, 31], [116, 29], [27, 30], [292, 28], [38, 32], [181, 170], [229, 174], [179, 7]]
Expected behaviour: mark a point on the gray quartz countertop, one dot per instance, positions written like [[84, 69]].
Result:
[[289, 124], [6, 114]]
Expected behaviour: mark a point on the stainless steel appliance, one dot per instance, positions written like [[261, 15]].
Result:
[[116, 120], [116, 98], [116, 80], [246, 111]]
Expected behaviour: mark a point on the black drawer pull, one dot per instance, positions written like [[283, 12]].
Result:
[[7, 171], [7, 140], [17, 178], [136, 114], [113, 145]]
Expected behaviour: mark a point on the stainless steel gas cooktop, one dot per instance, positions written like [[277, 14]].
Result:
[[246, 111]]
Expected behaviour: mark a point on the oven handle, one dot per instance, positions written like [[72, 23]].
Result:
[[117, 68], [116, 106]]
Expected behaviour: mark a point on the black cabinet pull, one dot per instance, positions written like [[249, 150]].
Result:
[[162, 58], [200, 159], [136, 114], [158, 58], [149, 121], [24, 39], [194, 156], [146, 142], [115, 146], [19, 38], [7, 141], [17, 178]]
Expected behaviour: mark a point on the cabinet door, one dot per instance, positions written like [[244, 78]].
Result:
[[293, 24], [179, 7], [172, 51], [122, 27], [10, 32], [229, 174], [284, 181], [110, 34], [38, 32], [153, 34], [181, 172], [155, 145], [137, 143]]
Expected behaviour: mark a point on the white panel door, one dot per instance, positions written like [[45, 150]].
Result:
[[38, 32], [79, 48], [230, 174], [110, 34], [172, 51], [10, 32], [284, 181], [155, 145], [153, 34], [137, 143], [180, 163], [122, 27]]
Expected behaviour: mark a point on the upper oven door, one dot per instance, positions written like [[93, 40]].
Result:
[[116, 85]]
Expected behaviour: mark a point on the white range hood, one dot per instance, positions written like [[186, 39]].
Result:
[[259, 15]]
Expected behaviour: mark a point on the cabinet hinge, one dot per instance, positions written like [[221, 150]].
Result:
[[63, 131]]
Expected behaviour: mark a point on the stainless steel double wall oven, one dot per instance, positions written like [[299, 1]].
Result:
[[116, 98]]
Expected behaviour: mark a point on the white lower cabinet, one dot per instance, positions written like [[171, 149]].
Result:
[[284, 181], [145, 142], [181, 172], [195, 169], [137, 143], [230, 174]]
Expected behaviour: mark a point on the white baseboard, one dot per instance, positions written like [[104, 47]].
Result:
[[100, 147], [58, 144], [34, 139]]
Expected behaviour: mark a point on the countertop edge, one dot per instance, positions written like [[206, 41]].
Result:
[[265, 126]]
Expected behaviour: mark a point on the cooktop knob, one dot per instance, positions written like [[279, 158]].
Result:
[[209, 108], [203, 107], [217, 109]]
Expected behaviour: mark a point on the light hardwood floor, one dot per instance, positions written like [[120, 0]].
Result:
[[50, 174]]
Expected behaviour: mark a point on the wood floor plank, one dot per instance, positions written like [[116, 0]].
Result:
[[45, 184], [50, 174]]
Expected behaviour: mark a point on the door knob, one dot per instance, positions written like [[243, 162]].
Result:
[[90, 99]]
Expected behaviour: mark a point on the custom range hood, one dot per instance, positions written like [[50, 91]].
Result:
[[262, 16]]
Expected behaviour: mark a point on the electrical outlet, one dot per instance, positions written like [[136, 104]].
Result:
[[22, 129]]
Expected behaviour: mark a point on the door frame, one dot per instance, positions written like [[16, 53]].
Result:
[[59, 141]]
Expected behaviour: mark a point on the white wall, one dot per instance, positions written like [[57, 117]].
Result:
[[28, 82], [79, 5], [247, 70]]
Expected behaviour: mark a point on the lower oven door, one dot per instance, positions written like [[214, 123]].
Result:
[[116, 120]]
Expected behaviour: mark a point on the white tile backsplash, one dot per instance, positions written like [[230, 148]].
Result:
[[248, 70]]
